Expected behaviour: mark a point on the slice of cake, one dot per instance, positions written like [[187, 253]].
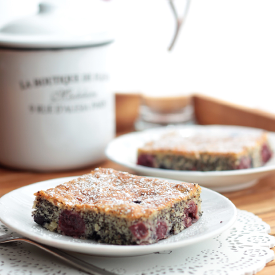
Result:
[[206, 152], [115, 207]]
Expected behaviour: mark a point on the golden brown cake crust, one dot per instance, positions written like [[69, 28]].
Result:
[[224, 145], [119, 193]]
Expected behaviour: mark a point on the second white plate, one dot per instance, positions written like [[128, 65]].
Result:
[[219, 214], [123, 150]]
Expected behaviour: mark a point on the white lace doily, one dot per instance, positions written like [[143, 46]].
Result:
[[242, 249]]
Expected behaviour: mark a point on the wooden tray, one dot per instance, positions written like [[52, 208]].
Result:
[[207, 110]]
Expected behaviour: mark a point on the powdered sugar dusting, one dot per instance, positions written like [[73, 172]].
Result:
[[120, 193], [234, 142]]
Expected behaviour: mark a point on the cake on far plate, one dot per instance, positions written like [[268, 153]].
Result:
[[206, 151], [116, 207]]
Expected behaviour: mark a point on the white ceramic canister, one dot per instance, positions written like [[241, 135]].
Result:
[[56, 107]]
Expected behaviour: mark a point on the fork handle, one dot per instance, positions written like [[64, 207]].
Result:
[[79, 264]]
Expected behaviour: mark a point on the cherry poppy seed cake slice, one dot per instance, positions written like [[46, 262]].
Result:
[[206, 152], [116, 207]]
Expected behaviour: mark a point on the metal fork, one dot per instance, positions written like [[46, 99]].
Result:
[[79, 264]]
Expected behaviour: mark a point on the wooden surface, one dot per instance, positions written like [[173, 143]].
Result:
[[259, 199], [127, 108]]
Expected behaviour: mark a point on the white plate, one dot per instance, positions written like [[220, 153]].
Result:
[[123, 150], [219, 213]]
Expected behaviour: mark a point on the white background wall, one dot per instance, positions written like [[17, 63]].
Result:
[[14, 9], [226, 48]]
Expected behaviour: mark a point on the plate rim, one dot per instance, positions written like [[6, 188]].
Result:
[[107, 249]]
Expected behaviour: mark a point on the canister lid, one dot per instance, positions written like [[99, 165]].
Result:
[[59, 24]]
